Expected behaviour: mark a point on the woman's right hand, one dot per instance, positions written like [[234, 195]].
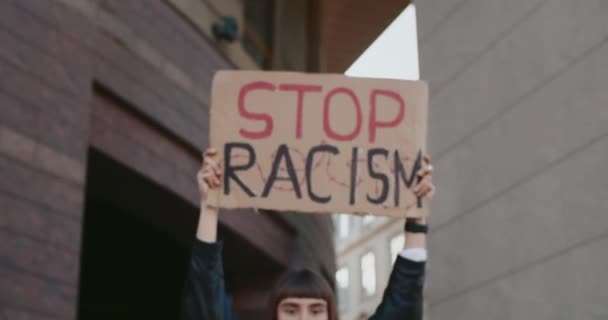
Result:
[[209, 177]]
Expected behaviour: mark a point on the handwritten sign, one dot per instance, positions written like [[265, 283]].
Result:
[[318, 142]]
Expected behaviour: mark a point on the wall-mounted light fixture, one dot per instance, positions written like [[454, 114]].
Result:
[[226, 29]]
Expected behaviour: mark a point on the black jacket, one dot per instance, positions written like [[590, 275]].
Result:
[[205, 296]]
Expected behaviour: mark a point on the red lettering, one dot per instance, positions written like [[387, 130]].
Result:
[[328, 130], [373, 123], [257, 85], [301, 89]]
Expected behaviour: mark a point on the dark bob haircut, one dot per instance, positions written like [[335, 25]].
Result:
[[302, 283]]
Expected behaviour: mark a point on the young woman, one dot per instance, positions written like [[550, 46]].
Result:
[[299, 294]]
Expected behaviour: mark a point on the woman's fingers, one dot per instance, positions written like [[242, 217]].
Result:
[[209, 175], [217, 180], [204, 186], [427, 159], [427, 167], [210, 178], [427, 191], [430, 192], [421, 190], [424, 186], [210, 152], [427, 179], [425, 171], [213, 164]]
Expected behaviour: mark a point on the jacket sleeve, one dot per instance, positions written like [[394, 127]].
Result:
[[205, 296], [403, 295]]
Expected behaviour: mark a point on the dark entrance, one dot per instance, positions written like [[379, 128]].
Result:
[[136, 249], [135, 245]]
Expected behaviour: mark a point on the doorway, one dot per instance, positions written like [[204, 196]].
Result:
[[135, 246]]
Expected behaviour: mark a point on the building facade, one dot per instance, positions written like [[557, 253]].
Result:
[[366, 249], [519, 138], [367, 246], [103, 117]]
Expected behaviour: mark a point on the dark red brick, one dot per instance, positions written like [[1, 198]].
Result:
[[138, 16], [66, 20], [55, 54], [39, 257], [22, 290], [30, 90], [140, 130], [40, 187], [46, 38], [116, 121], [174, 38], [7, 312], [70, 140], [36, 62], [132, 154], [40, 222], [17, 115], [125, 63], [144, 100]]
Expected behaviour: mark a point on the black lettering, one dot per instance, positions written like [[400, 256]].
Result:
[[309, 163], [282, 152], [230, 171], [371, 153], [353, 175], [400, 171]]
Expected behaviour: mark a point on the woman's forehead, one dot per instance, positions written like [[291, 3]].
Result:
[[303, 301]]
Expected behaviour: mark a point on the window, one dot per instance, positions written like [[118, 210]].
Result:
[[258, 31], [342, 283], [367, 220], [368, 274], [343, 225], [396, 245]]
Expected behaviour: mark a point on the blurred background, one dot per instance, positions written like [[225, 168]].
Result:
[[104, 112]]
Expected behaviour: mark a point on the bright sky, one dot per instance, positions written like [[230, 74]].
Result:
[[394, 54]]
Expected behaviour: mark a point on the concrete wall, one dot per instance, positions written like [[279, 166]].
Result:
[[519, 136]]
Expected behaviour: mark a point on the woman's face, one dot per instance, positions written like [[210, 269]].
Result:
[[302, 309]]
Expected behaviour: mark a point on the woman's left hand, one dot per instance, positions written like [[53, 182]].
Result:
[[424, 187]]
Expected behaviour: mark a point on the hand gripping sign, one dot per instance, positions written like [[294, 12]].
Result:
[[318, 142]]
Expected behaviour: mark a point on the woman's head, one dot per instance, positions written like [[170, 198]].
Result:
[[303, 295]]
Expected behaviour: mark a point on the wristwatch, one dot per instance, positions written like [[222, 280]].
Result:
[[413, 227]]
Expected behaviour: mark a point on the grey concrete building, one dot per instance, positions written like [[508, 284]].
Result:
[[519, 135], [366, 248]]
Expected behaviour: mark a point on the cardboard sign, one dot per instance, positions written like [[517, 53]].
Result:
[[318, 142]]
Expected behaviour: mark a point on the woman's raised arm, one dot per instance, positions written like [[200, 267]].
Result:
[[209, 177], [403, 295], [205, 295]]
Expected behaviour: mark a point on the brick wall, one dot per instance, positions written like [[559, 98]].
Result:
[[44, 87], [53, 56]]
